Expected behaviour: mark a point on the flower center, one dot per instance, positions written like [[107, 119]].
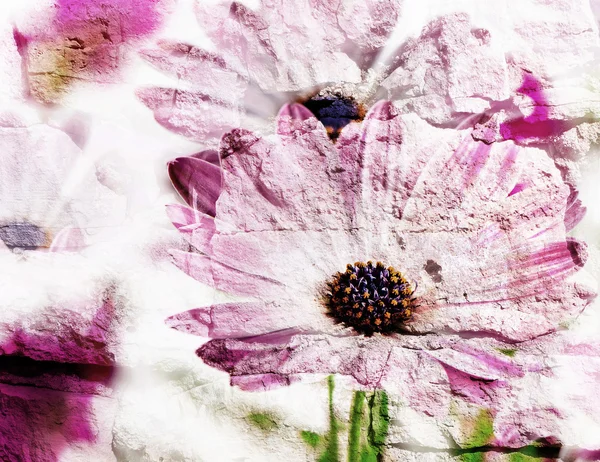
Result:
[[22, 235], [370, 298], [335, 110]]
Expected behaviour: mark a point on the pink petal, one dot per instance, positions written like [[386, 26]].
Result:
[[68, 240], [477, 177], [291, 117], [474, 389], [197, 181], [201, 70], [267, 41], [182, 216], [384, 158], [190, 113], [363, 359], [263, 382], [208, 155], [280, 184], [574, 212], [480, 364], [243, 319], [222, 277], [298, 259], [516, 320]]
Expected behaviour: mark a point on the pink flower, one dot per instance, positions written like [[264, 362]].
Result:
[[255, 58], [262, 56], [478, 231], [52, 198]]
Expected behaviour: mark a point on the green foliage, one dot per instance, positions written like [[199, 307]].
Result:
[[369, 423], [483, 430], [262, 420], [473, 457], [520, 457], [510, 352], [368, 426], [311, 438], [331, 453]]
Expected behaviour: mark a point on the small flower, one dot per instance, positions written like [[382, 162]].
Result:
[[405, 256]]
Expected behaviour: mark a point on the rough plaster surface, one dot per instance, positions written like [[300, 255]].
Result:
[[131, 331]]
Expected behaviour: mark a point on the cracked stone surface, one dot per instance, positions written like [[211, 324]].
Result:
[[170, 213]]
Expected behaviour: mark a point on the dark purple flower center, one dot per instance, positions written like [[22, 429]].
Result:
[[335, 111], [370, 298], [22, 235]]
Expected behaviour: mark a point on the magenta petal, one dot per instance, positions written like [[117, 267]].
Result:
[[479, 364], [575, 211], [541, 268], [290, 118], [195, 227], [182, 216], [474, 389], [68, 240], [197, 181], [382, 110], [363, 359], [209, 155]]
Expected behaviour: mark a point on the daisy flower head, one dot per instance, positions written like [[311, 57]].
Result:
[[381, 232], [405, 256], [337, 58], [52, 198]]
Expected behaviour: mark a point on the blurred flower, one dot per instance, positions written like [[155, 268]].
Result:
[[63, 43], [57, 336], [51, 195]]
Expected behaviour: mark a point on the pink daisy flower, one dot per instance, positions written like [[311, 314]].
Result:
[[253, 59], [408, 257]]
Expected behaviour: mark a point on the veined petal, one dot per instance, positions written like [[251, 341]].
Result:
[[244, 319], [224, 278]]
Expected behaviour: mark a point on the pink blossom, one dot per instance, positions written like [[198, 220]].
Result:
[[480, 230]]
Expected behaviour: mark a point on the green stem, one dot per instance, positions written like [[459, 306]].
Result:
[[368, 427], [332, 450], [356, 423]]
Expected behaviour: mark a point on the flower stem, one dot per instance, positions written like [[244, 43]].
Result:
[[368, 426]]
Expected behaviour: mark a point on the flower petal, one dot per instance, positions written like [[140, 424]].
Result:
[[242, 319], [68, 240], [197, 181], [222, 277], [471, 188], [291, 117], [271, 38], [363, 359], [190, 113], [280, 184]]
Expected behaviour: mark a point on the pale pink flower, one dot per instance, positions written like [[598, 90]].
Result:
[[51, 194], [452, 70], [479, 230]]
